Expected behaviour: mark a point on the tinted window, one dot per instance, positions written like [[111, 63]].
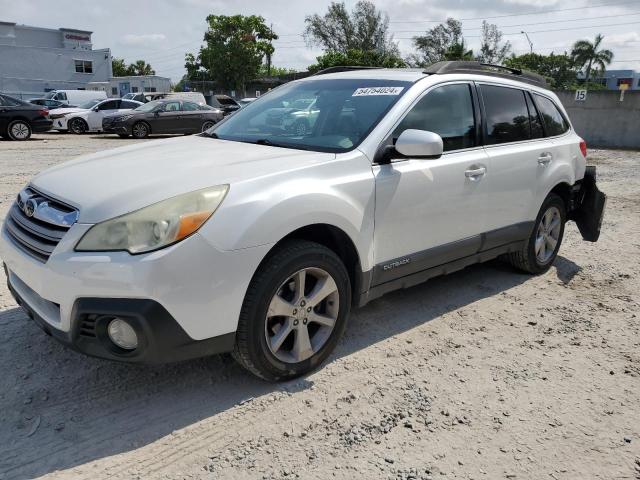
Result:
[[112, 105], [554, 122], [189, 107], [2, 102], [447, 111], [506, 114], [13, 102], [534, 119], [126, 104]]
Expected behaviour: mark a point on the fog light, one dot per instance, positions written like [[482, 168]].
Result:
[[122, 334]]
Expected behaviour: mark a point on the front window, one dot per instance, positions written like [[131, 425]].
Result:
[[149, 107], [343, 113]]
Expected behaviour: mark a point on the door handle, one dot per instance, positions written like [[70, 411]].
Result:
[[545, 158], [474, 174]]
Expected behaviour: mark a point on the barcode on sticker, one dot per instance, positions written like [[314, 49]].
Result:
[[369, 91]]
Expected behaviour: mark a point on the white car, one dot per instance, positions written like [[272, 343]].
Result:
[[259, 241], [88, 117]]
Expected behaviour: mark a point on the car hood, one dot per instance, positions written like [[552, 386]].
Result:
[[111, 183]]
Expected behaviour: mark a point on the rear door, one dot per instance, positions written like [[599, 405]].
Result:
[[192, 119], [432, 211], [518, 151]]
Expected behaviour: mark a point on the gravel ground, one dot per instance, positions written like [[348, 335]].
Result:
[[484, 374]]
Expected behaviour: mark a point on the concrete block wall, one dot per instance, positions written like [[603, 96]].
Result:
[[603, 120]]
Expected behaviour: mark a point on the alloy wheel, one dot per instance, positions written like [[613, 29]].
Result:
[[207, 125], [20, 131], [140, 130], [302, 315], [548, 234], [78, 126]]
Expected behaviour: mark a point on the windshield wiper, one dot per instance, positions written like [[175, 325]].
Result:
[[269, 143]]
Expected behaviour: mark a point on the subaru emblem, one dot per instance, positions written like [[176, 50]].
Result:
[[29, 207]]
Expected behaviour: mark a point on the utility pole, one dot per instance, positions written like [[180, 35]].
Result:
[[528, 40], [269, 56]]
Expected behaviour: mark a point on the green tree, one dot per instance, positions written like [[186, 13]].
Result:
[[140, 67], [492, 50], [560, 70], [438, 43], [358, 58], [589, 55], [458, 51], [118, 67], [235, 47], [365, 28], [266, 71]]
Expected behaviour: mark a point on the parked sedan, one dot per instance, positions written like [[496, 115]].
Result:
[[50, 104], [163, 116], [88, 117], [18, 119]]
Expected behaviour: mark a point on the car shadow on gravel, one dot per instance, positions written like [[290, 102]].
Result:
[[59, 409]]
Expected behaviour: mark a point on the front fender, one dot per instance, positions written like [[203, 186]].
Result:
[[265, 210]]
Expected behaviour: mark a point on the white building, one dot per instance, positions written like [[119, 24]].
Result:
[[35, 60], [120, 86]]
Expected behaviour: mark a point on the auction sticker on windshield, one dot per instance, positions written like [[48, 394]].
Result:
[[369, 91]]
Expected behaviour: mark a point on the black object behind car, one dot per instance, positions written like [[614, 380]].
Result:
[[162, 116], [18, 119], [225, 103], [50, 104]]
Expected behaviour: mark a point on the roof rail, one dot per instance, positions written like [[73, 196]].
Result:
[[343, 69], [478, 68]]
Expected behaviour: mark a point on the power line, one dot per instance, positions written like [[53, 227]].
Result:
[[542, 12]]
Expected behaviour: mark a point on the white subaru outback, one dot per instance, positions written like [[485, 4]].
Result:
[[258, 240]]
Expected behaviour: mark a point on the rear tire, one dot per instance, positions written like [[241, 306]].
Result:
[[78, 126], [19, 130], [283, 333], [541, 249]]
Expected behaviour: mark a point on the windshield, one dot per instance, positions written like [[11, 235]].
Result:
[[90, 104], [148, 107], [321, 115]]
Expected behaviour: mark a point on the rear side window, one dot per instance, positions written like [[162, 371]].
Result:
[[126, 104], [112, 105], [189, 106], [506, 113], [554, 121], [447, 111]]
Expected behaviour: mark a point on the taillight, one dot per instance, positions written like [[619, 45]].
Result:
[[43, 113], [583, 148]]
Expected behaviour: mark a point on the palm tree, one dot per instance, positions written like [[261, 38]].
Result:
[[586, 53]]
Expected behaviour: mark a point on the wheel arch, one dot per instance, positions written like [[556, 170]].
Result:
[[336, 240]]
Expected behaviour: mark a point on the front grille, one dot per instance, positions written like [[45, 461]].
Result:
[[38, 234]]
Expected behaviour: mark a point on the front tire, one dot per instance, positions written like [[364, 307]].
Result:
[[207, 125], [78, 126], [294, 312], [19, 130], [140, 130], [541, 249]]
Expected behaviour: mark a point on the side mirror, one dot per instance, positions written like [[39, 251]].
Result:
[[419, 144], [94, 109]]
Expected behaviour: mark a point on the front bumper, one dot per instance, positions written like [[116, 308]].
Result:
[[116, 127], [178, 296], [60, 123], [160, 337]]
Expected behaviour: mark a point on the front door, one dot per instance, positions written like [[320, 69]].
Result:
[[168, 120], [94, 119], [432, 211]]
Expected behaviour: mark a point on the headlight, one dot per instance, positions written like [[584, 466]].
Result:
[[155, 226]]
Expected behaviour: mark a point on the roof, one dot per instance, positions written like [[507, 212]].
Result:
[[400, 74]]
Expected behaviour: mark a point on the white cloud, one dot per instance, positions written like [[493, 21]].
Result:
[[145, 40]]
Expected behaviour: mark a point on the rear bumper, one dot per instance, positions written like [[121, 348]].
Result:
[[160, 337], [41, 125], [587, 206]]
